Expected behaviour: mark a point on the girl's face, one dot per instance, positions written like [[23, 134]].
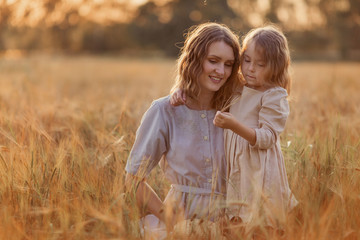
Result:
[[217, 67], [254, 68]]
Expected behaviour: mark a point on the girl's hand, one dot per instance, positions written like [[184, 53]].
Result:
[[178, 98], [224, 120]]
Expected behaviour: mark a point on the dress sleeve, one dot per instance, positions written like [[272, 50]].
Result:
[[150, 142], [272, 117]]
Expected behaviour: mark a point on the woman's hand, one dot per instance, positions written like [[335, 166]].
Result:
[[148, 199], [224, 120], [178, 98], [145, 196]]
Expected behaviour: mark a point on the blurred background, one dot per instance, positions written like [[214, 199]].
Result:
[[316, 29], [77, 75]]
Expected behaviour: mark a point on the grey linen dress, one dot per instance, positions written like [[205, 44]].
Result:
[[192, 153], [257, 180]]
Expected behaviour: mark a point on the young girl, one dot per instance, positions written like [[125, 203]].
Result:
[[192, 148], [257, 188]]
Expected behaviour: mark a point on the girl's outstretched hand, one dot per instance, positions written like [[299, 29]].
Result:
[[224, 120], [178, 98]]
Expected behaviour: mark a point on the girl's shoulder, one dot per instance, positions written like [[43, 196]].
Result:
[[276, 91], [275, 96]]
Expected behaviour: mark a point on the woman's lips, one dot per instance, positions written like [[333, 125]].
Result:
[[215, 79]]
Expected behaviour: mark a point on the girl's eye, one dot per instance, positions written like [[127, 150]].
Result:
[[229, 64], [212, 61]]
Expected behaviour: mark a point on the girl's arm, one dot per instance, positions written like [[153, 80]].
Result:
[[227, 121], [272, 118]]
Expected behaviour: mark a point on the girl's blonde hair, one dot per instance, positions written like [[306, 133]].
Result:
[[273, 45], [192, 55]]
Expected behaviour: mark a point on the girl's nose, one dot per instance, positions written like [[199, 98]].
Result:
[[252, 67]]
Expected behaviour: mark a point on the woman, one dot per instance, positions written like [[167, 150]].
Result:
[[191, 146]]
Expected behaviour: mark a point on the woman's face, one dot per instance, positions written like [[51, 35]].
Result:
[[217, 67]]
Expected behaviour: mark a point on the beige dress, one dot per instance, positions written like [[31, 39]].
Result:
[[257, 186]]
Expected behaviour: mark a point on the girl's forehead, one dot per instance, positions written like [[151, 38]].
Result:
[[255, 50]]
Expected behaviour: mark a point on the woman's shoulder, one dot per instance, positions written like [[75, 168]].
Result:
[[163, 102], [159, 109], [162, 106]]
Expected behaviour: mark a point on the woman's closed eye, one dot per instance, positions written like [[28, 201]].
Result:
[[227, 64]]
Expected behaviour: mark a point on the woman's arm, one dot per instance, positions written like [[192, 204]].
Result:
[[149, 147], [145, 195], [148, 199], [228, 121]]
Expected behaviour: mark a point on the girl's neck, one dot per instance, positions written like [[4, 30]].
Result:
[[261, 88], [202, 102]]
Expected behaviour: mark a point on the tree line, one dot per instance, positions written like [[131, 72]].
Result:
[[315, 28]]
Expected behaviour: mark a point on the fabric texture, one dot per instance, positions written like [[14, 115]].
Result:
[[257, 181], [191, 150]]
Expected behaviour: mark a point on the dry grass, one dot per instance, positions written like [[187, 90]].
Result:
[[67, 125]]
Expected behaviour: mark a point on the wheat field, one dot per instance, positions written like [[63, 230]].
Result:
[[67, 124]]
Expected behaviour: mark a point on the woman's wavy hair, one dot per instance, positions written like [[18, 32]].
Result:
[[273, 45], [192, 55]]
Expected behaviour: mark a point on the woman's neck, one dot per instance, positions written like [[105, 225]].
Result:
[[202, 102]]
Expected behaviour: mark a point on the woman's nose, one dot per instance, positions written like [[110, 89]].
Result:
[[220, 69]]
